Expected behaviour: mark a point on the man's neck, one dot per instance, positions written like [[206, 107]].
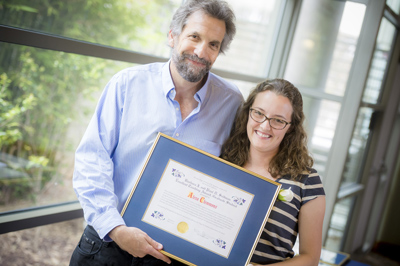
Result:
[[184, 87], [185, 91]]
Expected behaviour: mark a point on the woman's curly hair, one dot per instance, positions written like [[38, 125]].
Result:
[[293, 157]]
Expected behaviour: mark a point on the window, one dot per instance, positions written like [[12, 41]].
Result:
[[394, 5], [319, 64], [338, 226], [138, 25], [256, 26], [379, 63], [47, 99]]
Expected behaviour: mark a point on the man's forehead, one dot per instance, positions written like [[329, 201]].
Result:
[[199, 21]]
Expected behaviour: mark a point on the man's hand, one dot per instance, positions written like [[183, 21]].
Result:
[[137, 243]]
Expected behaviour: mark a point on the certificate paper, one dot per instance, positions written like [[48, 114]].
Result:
[[201, 208], [198, 208]]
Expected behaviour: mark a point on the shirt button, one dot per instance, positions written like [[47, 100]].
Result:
[[177, 108], [177, 134]]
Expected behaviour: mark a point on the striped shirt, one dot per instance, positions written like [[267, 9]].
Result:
[[137, 104], [280, 232]]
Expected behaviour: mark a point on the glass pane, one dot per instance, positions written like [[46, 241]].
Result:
[[380, 62], [249, 52], [138, 25], [338, 225], [244, 86], [46, 101], [324, 44], [358, 145], [45, 245], [321, 120], [394, 5], [143, 25]]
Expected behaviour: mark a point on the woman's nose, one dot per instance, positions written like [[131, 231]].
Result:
[[265, 124]]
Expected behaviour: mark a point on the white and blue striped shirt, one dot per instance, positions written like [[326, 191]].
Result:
[[136, 104], [282, 227]]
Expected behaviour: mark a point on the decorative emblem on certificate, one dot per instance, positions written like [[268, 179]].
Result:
[[204, 210]]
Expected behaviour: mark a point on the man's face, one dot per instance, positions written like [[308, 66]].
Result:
[[197, 47]]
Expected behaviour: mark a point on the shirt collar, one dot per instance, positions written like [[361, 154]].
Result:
[[168, 84]]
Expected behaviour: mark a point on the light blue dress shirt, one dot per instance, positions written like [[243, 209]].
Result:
[[136, 104]]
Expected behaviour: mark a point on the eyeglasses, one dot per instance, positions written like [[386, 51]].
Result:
[[275, 123]]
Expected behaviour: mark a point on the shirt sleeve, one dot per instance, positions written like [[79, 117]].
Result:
[[94, 168], [313, 187]]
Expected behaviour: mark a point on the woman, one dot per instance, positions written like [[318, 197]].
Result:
[[268, 138]]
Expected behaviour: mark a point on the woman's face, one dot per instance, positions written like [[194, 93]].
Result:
[[263, 138]]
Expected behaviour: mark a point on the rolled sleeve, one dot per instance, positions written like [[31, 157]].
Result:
[[94, 168]]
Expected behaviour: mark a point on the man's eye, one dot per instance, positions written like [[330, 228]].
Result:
[[214, 45]]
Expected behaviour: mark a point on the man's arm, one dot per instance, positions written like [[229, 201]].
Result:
[[94, 169], [93, 179]]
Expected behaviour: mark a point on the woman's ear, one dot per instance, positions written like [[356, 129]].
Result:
[[291, 128]]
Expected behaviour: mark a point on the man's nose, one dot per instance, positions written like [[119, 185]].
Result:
[[201, 50]]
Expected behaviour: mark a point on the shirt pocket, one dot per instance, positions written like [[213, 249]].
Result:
[[208, 146]]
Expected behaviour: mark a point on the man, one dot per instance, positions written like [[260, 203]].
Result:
[[180, 98]]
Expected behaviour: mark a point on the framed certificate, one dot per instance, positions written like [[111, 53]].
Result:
[[204, 210]]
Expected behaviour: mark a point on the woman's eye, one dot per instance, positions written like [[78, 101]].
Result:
[[279, 121]]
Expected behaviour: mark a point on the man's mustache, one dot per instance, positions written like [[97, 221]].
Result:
[[194, 57]]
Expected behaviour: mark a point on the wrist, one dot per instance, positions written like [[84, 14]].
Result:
[[113, 234]]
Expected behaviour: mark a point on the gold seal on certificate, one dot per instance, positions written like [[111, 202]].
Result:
[[183, 227]]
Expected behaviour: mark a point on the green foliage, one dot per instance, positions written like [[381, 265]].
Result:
[[41, 92], [117, 23], [11, 111]]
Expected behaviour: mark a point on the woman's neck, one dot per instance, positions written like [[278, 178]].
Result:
[[259, 164]]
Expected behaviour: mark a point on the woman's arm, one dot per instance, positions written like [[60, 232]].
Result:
[[311, 219]]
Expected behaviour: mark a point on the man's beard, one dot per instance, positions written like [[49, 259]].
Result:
[[188, 71]]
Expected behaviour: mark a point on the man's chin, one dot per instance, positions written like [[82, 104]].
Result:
[[192, 79]]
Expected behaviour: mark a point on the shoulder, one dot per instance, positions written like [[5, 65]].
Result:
[[312, 186], [224, 87], [132, 72], [308, 186], [312, 177], [307, 177]]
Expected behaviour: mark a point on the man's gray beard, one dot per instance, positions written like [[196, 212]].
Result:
[[185, 70]]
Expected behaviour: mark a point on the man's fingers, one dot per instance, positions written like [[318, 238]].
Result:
[[158, 255], [155, 251], [137, 243]]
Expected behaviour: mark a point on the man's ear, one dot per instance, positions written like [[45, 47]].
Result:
[[170, 39]]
